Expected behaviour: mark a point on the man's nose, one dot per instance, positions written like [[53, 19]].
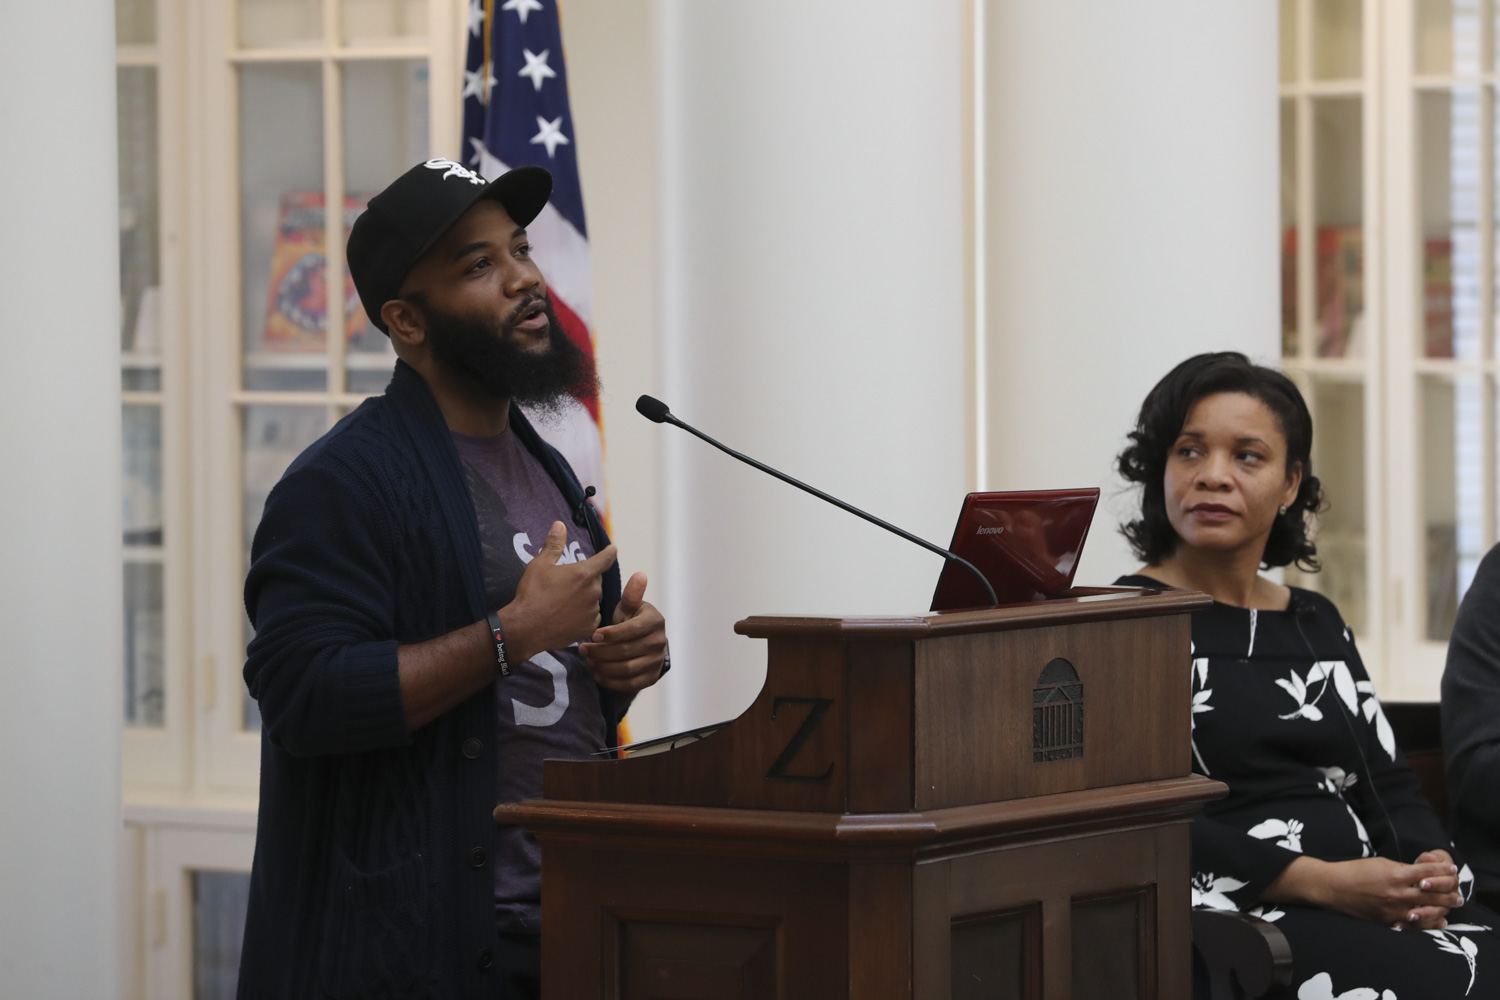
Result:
[[520, 280]]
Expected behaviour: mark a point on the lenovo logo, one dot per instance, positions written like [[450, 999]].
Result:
[[991, 531]]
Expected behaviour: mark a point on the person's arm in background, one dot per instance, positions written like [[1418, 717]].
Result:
[[1471, 721]]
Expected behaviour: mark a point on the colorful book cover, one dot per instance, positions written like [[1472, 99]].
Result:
[[1437, 297], [1339, 269], [297, 300], [1340, 302]]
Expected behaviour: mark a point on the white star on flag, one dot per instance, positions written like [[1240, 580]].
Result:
[[550, 134], [522, 7], [477, 84], [536, 67], [476, 16]]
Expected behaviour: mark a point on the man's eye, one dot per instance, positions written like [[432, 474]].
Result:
[[524, 250], [480, 264]]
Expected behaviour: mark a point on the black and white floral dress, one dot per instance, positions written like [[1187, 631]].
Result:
[[1285, 715]]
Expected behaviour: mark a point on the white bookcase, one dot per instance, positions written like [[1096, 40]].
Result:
[[1388, 220], [239, 120]]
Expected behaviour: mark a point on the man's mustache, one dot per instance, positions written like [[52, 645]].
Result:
[[509, 323]]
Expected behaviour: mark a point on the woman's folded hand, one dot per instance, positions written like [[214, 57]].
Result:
[[1416, 896]]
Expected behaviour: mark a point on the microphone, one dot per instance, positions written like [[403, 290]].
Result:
[[579, 517], [1301, 608], [657, 412]]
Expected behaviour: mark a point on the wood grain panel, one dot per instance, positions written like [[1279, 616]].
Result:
[[998, 956], [663, 960], [1076, 866], [1057, 948], [974, 710], [1086, 604], [881, 751], [932, 960], [866, 837], [1114, 944], [595, 900], [880, 930], [729, 768], [1174, 922]]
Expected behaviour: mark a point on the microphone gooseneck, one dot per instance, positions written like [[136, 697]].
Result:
[[656, 411]]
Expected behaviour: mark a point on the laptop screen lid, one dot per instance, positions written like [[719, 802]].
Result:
[[1026, 544]]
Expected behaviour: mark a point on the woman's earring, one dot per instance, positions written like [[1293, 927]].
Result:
[[1283, 510]]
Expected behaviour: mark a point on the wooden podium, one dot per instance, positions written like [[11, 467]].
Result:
[[975, 804]]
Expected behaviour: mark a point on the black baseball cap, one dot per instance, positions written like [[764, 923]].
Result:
[[405, 220]]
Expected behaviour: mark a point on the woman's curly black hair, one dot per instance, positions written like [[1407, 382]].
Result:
[[1165, 410]]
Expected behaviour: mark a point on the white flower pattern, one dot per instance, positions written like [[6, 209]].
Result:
[[1201, 694], [1449, 941], [1270, 914], [1209, 890], [1321, 672], [1231, 676], [1336, 781], [1320, 987], [1289, 830], [1369, 707]]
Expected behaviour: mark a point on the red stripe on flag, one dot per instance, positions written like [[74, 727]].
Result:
[[578, 333]]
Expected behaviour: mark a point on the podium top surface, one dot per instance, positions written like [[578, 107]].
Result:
[[1083, 604]]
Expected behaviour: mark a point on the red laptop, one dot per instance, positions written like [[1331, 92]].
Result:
[[1026, 544]]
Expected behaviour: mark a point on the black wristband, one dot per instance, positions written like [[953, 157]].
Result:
[[498, 635]]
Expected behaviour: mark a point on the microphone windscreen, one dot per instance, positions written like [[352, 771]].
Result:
[[652, 409]]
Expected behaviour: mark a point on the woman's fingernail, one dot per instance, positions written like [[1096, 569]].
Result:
[[1453, 869], [1425, 885], [1412, 916]]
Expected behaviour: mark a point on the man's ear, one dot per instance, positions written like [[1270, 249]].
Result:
[[405, 322]]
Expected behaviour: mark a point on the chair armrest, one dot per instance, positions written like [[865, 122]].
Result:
[[1246, 956]]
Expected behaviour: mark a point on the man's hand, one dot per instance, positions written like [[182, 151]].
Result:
[[555, 606], [628, 655], [1410, 897]]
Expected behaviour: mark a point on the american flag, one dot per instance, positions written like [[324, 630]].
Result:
[[516, 113]]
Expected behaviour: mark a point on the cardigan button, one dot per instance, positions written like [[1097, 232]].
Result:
[[485, 959], [477, 857], [472, 748]]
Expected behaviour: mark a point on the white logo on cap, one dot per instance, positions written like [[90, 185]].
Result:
[[454, 170]]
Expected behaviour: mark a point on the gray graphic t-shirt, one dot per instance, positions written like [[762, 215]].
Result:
[[549, 705]]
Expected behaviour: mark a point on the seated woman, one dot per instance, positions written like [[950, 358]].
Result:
[[1324, 830]]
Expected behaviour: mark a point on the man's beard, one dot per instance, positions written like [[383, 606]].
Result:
[[487, 354]]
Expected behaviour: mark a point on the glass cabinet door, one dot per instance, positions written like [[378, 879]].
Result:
[[333, 104], [141, 383], [1446, 353], [1326, 330]]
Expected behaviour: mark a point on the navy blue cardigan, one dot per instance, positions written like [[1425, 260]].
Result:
[[371, 877]]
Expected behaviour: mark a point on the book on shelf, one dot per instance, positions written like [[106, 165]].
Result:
[[1339, 305], [297, 299]]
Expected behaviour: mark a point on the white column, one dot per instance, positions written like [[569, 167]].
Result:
[[1130, 158], [60, 599], [812, 255]]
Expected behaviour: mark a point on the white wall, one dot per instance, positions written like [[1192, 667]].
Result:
[[1132, 199], [60, 591], [812, 316], [776, 206], [611, 47]]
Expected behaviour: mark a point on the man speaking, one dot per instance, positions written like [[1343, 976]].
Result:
[[437, 609]]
